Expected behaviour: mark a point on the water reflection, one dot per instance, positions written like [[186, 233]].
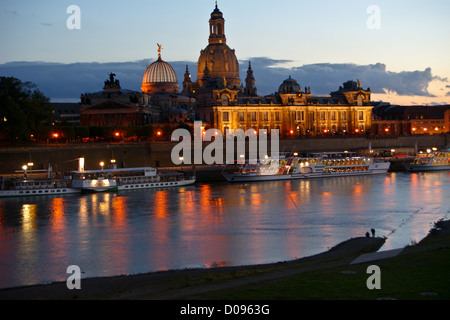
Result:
[[210, 224]]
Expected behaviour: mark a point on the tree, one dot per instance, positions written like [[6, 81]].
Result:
[[24, 110]]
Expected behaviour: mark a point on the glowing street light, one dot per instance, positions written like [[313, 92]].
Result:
[[102, 164], [24, 168]]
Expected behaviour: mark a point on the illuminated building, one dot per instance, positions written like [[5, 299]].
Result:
[[399, 120], [223, 103]]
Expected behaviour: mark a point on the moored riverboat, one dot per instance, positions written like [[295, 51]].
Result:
[[317, 165], [13, 187], [430, 161]]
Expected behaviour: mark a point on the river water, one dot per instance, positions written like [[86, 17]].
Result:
[[211, 224]]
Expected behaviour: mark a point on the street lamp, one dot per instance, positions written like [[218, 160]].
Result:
[[102, 164], [24, 168], [30, 165]]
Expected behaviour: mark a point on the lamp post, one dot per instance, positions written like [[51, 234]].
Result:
[[181, 163], [24, 168], [102, 164], [30, 165]]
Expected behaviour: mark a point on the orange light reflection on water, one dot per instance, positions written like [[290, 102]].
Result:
[[161, 229], [57, 220]]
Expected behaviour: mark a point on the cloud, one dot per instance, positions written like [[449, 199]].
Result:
[[326, 77], [69, 81]]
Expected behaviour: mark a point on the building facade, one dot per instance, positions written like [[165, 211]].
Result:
[[406, 120], [221, 100], [223, 103]]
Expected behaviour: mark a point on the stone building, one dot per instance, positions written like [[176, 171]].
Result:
[[224, 103], [159, 101], [404, 120]]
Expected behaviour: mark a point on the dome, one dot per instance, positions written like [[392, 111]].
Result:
[[218, 60], [160, 78], [221, 62], [289, 86], [216, 14]]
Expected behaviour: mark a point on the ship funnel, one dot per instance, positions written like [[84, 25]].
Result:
[[81, 164]]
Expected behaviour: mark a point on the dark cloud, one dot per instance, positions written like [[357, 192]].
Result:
[[326, 77], [62, 81]]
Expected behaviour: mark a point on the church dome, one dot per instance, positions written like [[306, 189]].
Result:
[[160, 78], [221, 62], [218, 61], [289, 86]]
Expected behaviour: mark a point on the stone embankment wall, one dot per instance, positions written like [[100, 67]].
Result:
[[158, 154]]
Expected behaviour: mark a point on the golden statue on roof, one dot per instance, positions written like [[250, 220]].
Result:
[[159, 50]]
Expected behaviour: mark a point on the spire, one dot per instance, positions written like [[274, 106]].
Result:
[[217, 27], [250, 88], [187, 75], [250, 71]]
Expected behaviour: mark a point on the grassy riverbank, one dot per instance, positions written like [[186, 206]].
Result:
[[418, 272]]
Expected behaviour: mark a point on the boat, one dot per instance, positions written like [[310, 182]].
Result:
[[93, 181], [316, 165], [109, 180], [148, 177], [430, 161], [35, 187]]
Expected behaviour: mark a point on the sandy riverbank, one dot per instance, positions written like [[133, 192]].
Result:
[[186, 284]]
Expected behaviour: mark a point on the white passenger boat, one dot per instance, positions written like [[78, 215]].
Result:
[[432, 161], [126, 179], [35, 187], [91, 181], [148, 177], [319, 165]]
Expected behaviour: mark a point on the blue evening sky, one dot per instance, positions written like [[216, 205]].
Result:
[[413, 35]]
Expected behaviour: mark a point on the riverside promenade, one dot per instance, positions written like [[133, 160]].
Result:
[[63, 157]]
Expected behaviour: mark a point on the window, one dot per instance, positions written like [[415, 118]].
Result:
[[277, 116], [300, 116], [225, 100], [344, 115], [333, 116], [253, 116], [266, 116], [225, 116], [322, 116], [361, 115], [241, 116]]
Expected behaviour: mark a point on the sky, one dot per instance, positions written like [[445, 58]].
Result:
[[397, 48]]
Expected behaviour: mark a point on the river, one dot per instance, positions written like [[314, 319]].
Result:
[[211, 224]]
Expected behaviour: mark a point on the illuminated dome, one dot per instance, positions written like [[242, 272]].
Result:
[[289, 86], [160, 78]]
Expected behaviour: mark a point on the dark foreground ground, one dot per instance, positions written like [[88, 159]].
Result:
[[420, 271]]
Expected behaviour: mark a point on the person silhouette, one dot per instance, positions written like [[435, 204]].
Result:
[[373, 232]]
